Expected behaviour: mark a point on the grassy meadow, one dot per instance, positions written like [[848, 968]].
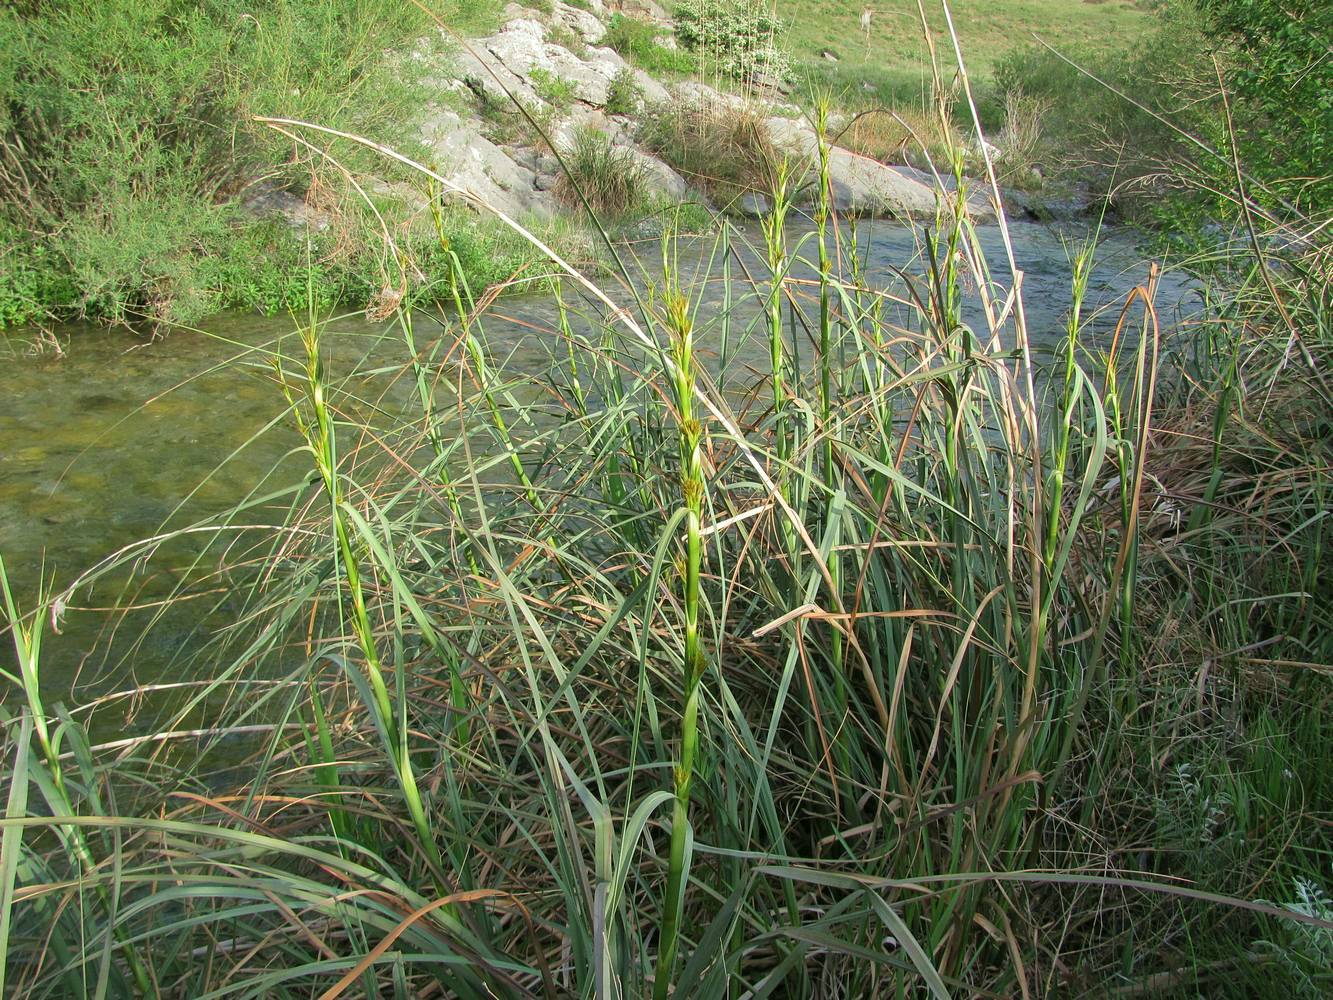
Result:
[[787, 632], [892, 59]]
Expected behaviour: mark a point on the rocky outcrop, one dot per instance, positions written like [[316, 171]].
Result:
[[865, 187], [565, 89], [553, 65], [470, 161], [522, 62]]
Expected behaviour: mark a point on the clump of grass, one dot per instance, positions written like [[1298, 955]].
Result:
[[903, 134], [553, 89], [1022, 138], [606, 178], [724, 148], [624, 96]]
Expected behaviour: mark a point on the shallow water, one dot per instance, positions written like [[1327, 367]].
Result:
[[105, 445]]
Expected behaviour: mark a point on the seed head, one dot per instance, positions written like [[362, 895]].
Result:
[[693, 491]]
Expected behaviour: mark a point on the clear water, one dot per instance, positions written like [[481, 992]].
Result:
[[120, 436]]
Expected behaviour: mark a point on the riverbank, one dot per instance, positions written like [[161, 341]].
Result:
[[817, 607], [269, 219]]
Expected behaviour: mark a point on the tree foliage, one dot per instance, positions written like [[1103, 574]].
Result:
[[1280, 69]]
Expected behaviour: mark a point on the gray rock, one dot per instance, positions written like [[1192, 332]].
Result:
[[862, 186], [660, 179], [581, 118], [770, 84], [266, 200], [585, 25], [482, 170], [753, 205], [482, 71], [979, 204], [644, 10], [700, 95], [652, 91], [521, 50]]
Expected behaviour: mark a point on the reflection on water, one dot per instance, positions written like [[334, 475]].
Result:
[[104, 446]]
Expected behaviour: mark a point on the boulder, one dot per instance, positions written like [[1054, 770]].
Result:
[[863, 186], [700, 95], [652, 91], [266, 200], [582, 118], [979, 204], [753, 205], [468, 160], [660, 180], [585, 25], [477, 66], [644, 10]]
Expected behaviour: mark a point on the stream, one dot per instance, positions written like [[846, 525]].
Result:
[[119, 436]]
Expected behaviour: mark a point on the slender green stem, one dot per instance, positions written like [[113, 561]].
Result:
[[27, 638], [680, 327]]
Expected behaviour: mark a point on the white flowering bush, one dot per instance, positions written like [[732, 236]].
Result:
[[740, 37]]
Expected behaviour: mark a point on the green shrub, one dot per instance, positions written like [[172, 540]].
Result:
[[30, 279], [126, 127], [624, 95], [740, 38], [1281, 73]]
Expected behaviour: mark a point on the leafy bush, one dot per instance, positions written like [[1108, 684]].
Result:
[[126, 129], [738, 37], [1281, 74], [637, 41], [29, 279], [624, 95]]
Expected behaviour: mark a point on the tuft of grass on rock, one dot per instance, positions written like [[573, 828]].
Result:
[[723, 148], [638, 42], [608, 177]]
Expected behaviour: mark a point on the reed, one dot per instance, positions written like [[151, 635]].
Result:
[[693, 662], [48, 773], [680, 327]]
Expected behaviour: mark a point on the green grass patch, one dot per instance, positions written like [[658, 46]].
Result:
[[893, 52], [637, 41], [127, 128]]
